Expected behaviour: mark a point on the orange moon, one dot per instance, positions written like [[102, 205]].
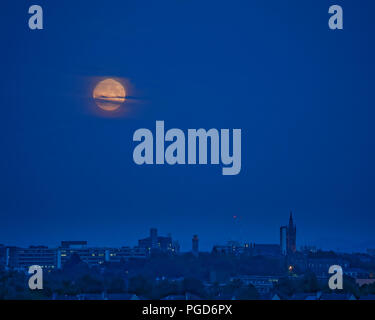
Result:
[[109, 94]]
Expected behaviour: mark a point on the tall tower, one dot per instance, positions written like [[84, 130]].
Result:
[[283, 239], [195, 245], [291, 235]]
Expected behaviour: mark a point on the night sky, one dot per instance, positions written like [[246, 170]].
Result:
[[302, 94]]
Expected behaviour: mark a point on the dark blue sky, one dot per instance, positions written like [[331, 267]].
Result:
[[302, 94]]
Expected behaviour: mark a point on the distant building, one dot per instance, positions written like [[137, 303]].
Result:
[[125, 254], [271, 250], [288, 237], [96, 255], [250, 249], [158, 243], [50, 258], [320, 266], [309, 249], [221, 249], [3, 255], [357, 273], [154, 238], [231, 248], [175, 247], [263, 284], [89, 255], [195, 245], [74, 244], [23, 258]]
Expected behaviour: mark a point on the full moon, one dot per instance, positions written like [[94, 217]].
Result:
[[109, 94]]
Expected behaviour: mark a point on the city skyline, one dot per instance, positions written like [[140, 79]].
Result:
[[156, 268], [185, 245]]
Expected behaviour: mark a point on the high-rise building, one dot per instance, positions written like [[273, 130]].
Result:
[[158, 243], [288, 237], [195, 245], [154, 238]]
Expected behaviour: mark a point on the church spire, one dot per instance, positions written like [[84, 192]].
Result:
[[291, 235], [291, 218]]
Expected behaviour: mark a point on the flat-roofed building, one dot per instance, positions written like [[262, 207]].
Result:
[[23, 258], [91, 256], [74, 244], [96, 255], [125, 254], [263, 284], [50, 258]]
